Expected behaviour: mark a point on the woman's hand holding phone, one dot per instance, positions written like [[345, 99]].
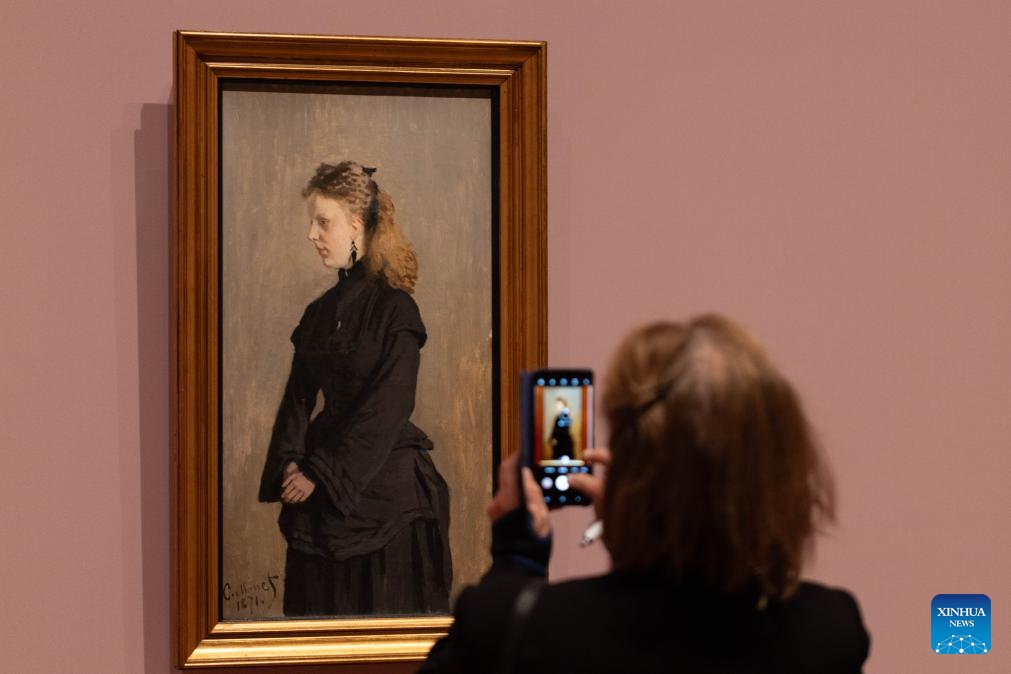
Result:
[[592, 484], [507, 498]]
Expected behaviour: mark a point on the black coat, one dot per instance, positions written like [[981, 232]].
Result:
[[638, 623], [359, 344]]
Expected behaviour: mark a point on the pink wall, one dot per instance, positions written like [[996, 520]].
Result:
[[836, 175]]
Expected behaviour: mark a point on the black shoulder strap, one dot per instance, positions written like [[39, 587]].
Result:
[[522, 608]]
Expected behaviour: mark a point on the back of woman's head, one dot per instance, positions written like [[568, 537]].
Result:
[[715, 474]]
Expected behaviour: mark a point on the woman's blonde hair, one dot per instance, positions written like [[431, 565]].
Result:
[[715, 473], [389, 254]]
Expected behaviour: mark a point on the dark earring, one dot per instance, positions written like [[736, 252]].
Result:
[[354, 252]]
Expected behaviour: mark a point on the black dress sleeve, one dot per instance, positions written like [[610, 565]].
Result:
[[286, 440], [345, 465]]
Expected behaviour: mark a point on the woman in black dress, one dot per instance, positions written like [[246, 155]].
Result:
[[562, 444], [365, 512]]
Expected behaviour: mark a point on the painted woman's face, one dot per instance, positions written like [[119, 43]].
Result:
[[331, 230]]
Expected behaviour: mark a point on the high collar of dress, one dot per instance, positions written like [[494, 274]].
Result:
[[355, 273]]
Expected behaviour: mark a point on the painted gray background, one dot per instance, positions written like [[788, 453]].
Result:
[[434, 158]]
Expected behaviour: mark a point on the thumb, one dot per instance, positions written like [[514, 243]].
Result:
[[538, 510], [589, 485]]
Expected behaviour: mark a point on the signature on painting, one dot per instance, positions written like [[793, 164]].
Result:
[[252, 597]]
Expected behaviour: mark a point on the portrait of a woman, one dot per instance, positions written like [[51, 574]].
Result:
[[561, 443], [365, 513]]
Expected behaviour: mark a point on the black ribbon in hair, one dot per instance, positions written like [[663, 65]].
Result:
[[373, 218]]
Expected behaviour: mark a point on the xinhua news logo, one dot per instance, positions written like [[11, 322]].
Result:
[[960, 624]]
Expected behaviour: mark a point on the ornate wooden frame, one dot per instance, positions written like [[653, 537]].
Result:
[[516, 73]]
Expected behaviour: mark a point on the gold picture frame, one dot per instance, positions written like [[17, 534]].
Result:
[[513, 77]]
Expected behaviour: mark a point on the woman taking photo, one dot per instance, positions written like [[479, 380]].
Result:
[[713, 493], [365, 512]]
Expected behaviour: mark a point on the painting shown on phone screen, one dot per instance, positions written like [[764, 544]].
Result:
[[356, 360], [562, 430]]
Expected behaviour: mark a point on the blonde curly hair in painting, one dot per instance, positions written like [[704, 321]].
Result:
[[389, 252]]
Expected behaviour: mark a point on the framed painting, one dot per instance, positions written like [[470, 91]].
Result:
[[359, 274]]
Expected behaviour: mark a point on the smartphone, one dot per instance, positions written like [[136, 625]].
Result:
[[556, 419]]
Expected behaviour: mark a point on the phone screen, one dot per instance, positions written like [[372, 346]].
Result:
[[560, 429]]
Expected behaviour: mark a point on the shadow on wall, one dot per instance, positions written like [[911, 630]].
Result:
[[141, 240], [153, 179]]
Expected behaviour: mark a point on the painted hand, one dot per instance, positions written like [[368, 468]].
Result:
[[296, 488]]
